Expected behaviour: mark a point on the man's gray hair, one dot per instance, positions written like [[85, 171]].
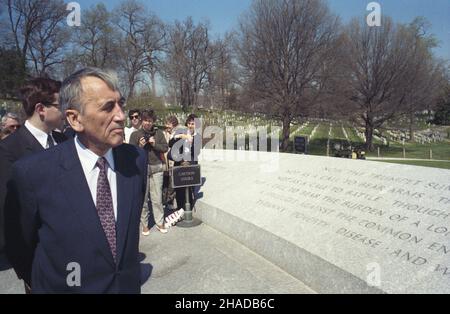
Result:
[[10, 115], [71, 89]]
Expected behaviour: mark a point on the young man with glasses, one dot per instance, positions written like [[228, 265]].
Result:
[[41, 105], [135, 118]]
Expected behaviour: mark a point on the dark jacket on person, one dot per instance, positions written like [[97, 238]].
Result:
[[54, 230], [155, 152], [16, 146]]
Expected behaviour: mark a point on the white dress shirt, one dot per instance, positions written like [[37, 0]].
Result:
[[40, 135], [128, 132], [88, 161]]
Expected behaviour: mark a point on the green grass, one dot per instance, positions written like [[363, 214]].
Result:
[[353, 136], [441, 151], [306, 131], [432, 164], [337, 132], [318, 145]]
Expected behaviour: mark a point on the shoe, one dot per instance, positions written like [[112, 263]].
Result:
[[162, 229], [145, 231], [173, 218]]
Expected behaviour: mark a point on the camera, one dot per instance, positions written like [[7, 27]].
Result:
[[150, 133]]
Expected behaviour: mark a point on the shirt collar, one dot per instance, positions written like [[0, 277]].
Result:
[[40, 135], [89, 159]]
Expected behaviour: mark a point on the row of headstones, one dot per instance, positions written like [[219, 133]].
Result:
[[361, 134], [423, 137], [231, 119], [224, 119], [345, 134], [299, 129], [329, 139], [313, 133], [428, 136]]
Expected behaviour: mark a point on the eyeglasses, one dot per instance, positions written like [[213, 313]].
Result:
[[14, 127], [134, 117]]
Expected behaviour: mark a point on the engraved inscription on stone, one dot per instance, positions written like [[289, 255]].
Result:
[[350, 213]]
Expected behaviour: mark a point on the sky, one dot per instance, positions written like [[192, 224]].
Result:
[[223, 14]]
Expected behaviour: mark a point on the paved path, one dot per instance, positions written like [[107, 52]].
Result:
[[199, 260]]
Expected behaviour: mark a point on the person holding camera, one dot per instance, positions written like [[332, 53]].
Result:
[[151, 139], [185, 146]]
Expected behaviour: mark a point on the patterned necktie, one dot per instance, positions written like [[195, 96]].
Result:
[[105, 205], [50, 142]]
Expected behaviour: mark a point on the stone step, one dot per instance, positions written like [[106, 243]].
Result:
[[316, 273]]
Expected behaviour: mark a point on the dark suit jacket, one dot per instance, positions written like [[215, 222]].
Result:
[[19, 144], [52, 222]]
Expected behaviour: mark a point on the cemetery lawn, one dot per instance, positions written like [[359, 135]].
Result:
[[441, 151], [432, 164]]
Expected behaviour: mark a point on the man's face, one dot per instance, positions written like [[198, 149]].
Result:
[[169, 127], [101, 122], [12, 125], [147, 124], [135, 120], [191, 126], [53, 116]]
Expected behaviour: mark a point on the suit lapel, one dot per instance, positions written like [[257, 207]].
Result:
[[124, 199], [29, 142], [74, 185]]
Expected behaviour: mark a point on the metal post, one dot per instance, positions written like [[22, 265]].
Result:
[[188, 221], [404, 152], [431, 153], [378, 150]]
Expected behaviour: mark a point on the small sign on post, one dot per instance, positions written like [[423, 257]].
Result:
[[185, 177], [300, 144]]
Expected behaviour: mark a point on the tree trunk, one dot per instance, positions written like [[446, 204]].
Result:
[[153, 78], [195, 102], [369, 135], [411, 127], [286, 132]]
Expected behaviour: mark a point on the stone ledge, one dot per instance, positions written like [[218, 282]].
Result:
[[315, 272]]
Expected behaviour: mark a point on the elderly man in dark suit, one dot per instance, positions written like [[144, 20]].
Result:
[[76, 208], [40, 103]]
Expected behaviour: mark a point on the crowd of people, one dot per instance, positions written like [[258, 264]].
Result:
[[71, 191], [158, 143]]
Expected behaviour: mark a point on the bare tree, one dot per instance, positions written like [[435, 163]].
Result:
[[285, 51], [142, 40], [222, 77], [425, 76], [38, 31], [97, 38], [387, 71], [189, 60]]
